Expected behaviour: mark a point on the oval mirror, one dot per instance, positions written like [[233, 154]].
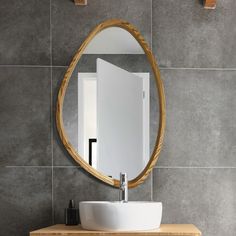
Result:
[[111, 105]]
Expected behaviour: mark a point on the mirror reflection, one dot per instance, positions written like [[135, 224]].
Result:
[[106, 111]]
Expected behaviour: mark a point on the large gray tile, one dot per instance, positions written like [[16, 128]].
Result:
[[74, 183], [25, 116], [204, 197], [25, 32], [25, 200], [60, 155], [187, 35], [69, 34], [201, 114]]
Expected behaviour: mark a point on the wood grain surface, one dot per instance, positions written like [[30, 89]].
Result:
[[164, 230]]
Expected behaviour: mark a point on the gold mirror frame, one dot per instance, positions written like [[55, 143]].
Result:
[[160, 90]]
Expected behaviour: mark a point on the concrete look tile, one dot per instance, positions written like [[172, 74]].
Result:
[[187, 35], [201, 114], [60, 155], [25, 200], [75, 183], [25, 116], [204, 197], [69, 34], [25, 32], [201, 110]]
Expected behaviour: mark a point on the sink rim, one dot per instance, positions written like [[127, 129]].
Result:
[[120, 202]]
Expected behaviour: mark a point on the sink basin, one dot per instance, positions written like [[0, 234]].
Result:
[[118, 216]]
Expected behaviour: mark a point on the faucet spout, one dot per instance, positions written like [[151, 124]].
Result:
[[123, 187]]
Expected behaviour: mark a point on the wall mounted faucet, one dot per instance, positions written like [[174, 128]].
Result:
[[123, 187]]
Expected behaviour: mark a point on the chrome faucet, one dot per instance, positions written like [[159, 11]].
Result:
[[123, 187]]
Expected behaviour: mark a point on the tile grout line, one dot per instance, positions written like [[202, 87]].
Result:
[[194, 167], [197, 68], [40, 66], [51, 103], [156, 167], [78, 167], [28, 166], [151, 25], [151, 50], [34, 66], [160, 67]]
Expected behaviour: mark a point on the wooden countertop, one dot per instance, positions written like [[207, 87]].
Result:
[[164, 230]]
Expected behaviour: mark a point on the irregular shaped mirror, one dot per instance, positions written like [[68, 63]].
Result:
[[111, 106]]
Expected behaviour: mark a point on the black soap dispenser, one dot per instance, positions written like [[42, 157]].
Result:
[[71, 214]]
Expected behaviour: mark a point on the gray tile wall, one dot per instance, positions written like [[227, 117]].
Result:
[[196, 173]]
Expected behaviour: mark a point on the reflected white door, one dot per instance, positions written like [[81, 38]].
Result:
[[87, 116], [122, 133]]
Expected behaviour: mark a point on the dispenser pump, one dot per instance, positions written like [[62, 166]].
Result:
[[71, 204], [71, 214]]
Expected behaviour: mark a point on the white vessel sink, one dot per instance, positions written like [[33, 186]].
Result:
[[118, 216]]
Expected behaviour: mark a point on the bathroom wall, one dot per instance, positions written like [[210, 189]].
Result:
[[196, 50]]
